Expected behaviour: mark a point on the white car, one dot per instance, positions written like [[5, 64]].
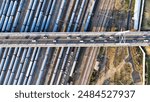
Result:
[[54, 41], [144, 36], [78, 37], [68, 37], [34, 41], [81, 41], [91, 40], [111, 37], [105, 41], [100, 37], [146, 40]]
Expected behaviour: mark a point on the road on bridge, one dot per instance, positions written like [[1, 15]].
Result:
[[74, 39]]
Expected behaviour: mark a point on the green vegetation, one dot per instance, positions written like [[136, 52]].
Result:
[[148, 68], [137, 59], [94, 77], [120, 56], [124, 77], [101, 52]]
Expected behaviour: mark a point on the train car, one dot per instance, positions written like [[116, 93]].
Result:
[[137, 10]]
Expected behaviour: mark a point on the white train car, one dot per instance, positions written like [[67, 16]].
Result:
[[137, 10]]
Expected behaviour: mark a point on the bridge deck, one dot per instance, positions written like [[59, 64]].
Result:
[[74, 39]]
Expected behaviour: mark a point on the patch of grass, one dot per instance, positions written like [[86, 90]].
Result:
[[148, 67], [124, 76], [94, 77], [120, 56], [137, 56]]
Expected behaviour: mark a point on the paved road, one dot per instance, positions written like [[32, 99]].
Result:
[[78, 39]]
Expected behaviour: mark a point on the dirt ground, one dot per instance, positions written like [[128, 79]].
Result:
[[120, 73], [147, 49]]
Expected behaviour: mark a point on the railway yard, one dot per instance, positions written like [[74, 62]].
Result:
[[69, 65]]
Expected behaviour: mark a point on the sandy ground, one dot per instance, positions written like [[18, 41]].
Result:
[[112, 69], [147, 48]]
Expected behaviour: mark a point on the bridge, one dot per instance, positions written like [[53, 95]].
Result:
[[74, 39]]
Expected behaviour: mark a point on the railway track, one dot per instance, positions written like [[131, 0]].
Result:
[[39, 16], [28, 66], [103, 12]]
